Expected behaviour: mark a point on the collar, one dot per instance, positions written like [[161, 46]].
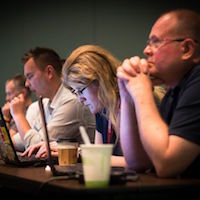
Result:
[[62, 95]]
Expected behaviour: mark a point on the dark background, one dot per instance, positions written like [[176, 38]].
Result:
[[121, 26]]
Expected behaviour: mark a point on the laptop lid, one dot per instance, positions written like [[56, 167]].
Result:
[[56, 170], [46, 136]]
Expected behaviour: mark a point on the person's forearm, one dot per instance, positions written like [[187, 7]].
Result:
[[22, 125], [151, 126], [133, 150]]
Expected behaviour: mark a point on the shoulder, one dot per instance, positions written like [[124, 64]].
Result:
[[63, 96], [159, 92], [33, 106]]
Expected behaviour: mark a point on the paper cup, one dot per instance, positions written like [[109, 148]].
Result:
[[67, 153]]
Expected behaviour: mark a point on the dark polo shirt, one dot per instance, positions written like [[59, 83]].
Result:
[[180, 108]]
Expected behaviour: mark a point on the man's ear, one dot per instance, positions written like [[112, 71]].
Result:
[[188, 48], [50, 70]]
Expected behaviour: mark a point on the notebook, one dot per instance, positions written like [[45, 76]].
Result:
[[71, 171], [7, 151]]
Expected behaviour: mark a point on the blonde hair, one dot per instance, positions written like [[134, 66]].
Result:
[[90, 63]]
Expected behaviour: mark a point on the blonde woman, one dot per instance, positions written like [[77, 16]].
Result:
[[90, 72]]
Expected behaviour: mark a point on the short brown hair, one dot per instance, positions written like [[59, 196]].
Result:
[[43, 57]]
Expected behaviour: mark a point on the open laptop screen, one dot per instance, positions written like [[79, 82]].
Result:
[[7, 151]]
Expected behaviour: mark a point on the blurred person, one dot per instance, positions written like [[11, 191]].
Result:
[[64, 113], [15, 86], [90, 71], [167, 139]]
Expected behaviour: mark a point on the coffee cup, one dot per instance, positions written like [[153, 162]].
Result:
[[67, 153]]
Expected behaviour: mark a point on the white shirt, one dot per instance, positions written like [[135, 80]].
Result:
[[64, 115]]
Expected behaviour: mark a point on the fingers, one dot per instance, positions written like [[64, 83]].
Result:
[[18, 98], [54, 153], [144, 66], [6, 105], [32, 149], [54, 150], [25, 152], [122, 74], [132, 67], [28, 152], [14, 102], [135, 63], [42, 153], [41, 150]]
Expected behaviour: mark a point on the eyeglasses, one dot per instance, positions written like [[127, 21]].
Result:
[[156, 43], [78, 92]]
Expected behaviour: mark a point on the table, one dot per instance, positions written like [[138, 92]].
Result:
[[36, 182]]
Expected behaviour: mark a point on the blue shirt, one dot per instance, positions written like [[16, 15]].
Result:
[[102, 127]]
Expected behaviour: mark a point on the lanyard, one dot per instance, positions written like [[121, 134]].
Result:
[[109, 132]]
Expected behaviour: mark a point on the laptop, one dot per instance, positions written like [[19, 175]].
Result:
[[56, 170], [8, 152]]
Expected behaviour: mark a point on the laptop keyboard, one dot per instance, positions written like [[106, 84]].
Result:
[[26, 158]]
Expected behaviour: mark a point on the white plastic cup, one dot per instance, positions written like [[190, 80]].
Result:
[[96, 164]]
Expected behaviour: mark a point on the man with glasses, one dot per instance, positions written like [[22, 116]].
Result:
[[167, 140]]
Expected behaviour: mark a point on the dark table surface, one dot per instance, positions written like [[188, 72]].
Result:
[[38, 182]]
